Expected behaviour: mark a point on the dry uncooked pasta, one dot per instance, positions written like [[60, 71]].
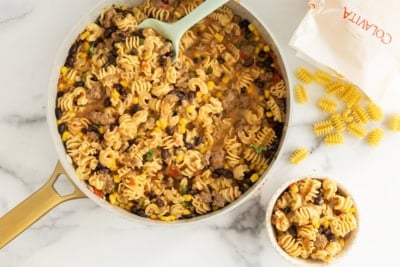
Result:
[[300, 94], [298, 155], [170, 140], [320, 225], [353, 112]]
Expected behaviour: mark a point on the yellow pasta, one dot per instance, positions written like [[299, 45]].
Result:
[[338, 122], [322, 77], [327, 105], [304, 75], [323, 128], [334, 139], [298, 155], [356, 130], [300, 94], [335, 87], [360, 114], [394, 123], [375, 136], [375, 112]]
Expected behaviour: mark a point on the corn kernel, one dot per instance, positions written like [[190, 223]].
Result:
[[251, 27], [254, 178], [260, 98], [219, 37], [269, 114], [123, 8], [226, 166], [82, 55], [206, 98], [196, 54], [202, 27], [135, 100], [219, 95], [61, 86], [250, 89], [187, 197], [183, 121], [101, 129], [181, 129], [168, 218], [64, 70], [70, 82], [190, 109], [267, 93], [341, 242], [153, 217], [59, 121], [186, 212], [71, 114], [124, 83], [266, 48], [65, 136], [113, 199], [84, 35], [352, 210], [294, 188], [203, 149], [257, 38], [315, 223], [115, 94], [179, 158], [226, 79], [162, 124], [117, 179], [177, 15], [262, 71], [211, 85], [199, 95], [325, 224], [86, 46], [80, 134], [257, 50]]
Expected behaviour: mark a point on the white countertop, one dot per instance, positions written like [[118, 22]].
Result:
[[79, 233]]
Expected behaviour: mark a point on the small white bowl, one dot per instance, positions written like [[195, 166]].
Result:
[[349, 242]]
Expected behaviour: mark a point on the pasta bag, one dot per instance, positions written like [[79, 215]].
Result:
[[360, 40]]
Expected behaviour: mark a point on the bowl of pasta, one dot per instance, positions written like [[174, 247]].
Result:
[[159, 141], [312, 221]]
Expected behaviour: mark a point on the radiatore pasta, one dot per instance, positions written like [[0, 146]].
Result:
[[165, 140], [319, 225]]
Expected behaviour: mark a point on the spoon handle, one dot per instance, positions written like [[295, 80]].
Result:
[[200, 12]]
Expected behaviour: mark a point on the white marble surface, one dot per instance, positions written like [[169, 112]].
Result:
[[78, 233]]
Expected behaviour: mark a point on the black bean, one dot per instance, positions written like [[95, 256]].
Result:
[[319, 200], [196, 60], [62, 128], [193, 192], [248, 62], [287, 210], [133, 51], [162, 60], [180, 94], [60, 94], [112, 60], [221, 60], [120, 89], [79, 84], [94, 78], [164, 154], [135, 108], [84, 130], [121, 37], [58, 112], [141, 213], [138, 33], [109, 31], [243, 90], [260, 64], [107, 102], [331, 237], [248, 174], [189, 145], [114, 52], [268, 61], [92, 128], [104, 170], [269, 69], [191, 95], [293, 231], [165, 2], [244, 23], [70, 61], [228, 174], [160, 203], [99, 166], [198, 140], [321, 229], [169, 130], [218, 172], [259, 83], [262, 53]]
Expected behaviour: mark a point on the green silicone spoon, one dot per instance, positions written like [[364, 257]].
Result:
[[174, 31]]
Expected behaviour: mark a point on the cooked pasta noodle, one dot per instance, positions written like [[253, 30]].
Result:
[[313, 219], [170, 140]]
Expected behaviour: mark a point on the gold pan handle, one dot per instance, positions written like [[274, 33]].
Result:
[[34, 207]]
